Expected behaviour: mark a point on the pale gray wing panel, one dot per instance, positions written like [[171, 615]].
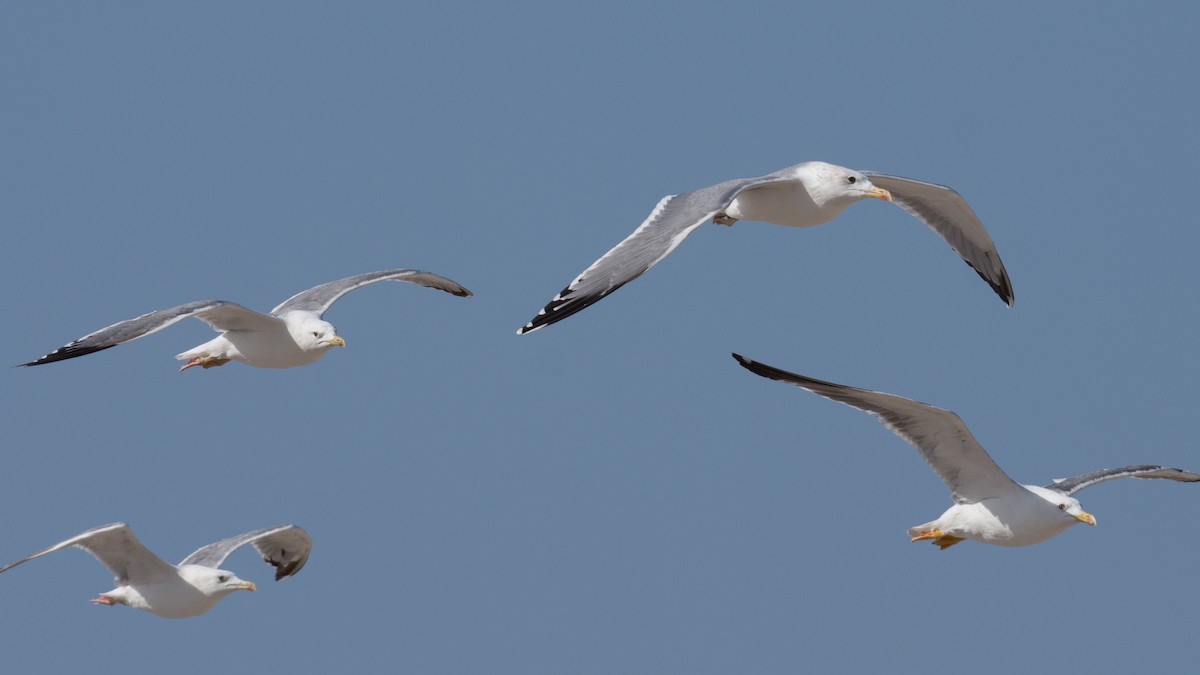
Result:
[[948, 214], [285, 547], [233, 317], [1070, 486], [130, 329], [117, 549], [939, 435], [319, 298], [671, 221]]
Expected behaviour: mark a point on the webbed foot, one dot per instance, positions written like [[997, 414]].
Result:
[[204, 362], [940, 539]]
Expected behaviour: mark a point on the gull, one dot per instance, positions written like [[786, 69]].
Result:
[[799, 196], [988, 505], [293, 334], [146, 582]]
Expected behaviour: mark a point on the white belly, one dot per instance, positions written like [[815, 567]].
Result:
[[263, 349], [1005, 522], [785, 204]]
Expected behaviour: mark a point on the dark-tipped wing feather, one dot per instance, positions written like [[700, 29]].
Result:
[[671, 221], [938, 434], [219, 314], [948, 214], [319, 298], [115, 546], [286, 547], [1070, 486]]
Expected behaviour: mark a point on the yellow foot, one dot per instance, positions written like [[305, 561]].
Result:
[[722, 219], [204, 362], [946, 541], [940, 539], [932, 534]]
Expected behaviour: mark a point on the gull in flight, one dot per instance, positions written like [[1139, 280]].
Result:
[[799, 196], [145, 581], [293, 334], [988, 505]]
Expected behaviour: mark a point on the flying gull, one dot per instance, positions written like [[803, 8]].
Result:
[[799, 196], [145, 581], [988, 505], [293, 334]]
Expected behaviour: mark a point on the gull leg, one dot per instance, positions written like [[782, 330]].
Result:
[[946, 541], [940, 539], [204, 362], [928, 534], [724, 219], [103, 600]]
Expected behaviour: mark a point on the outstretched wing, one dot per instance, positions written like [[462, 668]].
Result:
[[286, 547], [219, 314], [938, 434], [671, 221], [1070, 486], [318, 298], [115, 546], [948, 214]]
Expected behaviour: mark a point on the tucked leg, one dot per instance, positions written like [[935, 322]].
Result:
[[946, 541], [940, 539], [204, 362], [723, 219], [928, 534], [104, 600]]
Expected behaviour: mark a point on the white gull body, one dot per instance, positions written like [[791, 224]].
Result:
[[194, 586], [803, 195], [293, 334], [989, 506]]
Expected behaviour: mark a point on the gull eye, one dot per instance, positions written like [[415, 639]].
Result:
[[1062, 507], [222, 578], [851, 179], [316, 334]]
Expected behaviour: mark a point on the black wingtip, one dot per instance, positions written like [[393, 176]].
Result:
[[760, 369], [565, 304], [763, 370], [1003, 287], [64, 353]]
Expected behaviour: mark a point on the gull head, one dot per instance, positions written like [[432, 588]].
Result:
[[833, 184], [314, 335], [213, 582], [1071, 509]]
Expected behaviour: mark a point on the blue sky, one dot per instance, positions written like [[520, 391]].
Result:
[[612, 494]]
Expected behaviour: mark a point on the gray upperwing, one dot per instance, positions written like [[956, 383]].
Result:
[[319, 298], [130, 329], [117, 549], [940, 435], [1070, 486], [671, 221], [948, 214], [286, 547]]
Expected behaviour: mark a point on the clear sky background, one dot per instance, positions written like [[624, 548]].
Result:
[[612, 494]]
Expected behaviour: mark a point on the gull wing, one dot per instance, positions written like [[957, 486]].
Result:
[[1070, 486], [115, 546], [219, 314], [286, 547], [948, 214], [671, 221], [938, 434], [318, 298]]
